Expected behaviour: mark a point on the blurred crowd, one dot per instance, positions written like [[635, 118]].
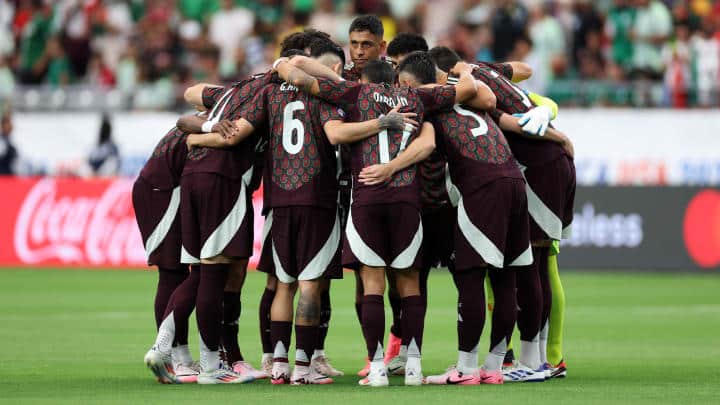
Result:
[[604, 47]]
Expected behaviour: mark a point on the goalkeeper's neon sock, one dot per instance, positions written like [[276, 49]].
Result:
[[557, 313]]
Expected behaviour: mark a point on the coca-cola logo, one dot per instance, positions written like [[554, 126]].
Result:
[[56, 225]]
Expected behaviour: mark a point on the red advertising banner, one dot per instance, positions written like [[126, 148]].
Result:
[[75, 222]]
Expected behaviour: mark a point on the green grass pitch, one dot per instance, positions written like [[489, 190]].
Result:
[[80, 336]]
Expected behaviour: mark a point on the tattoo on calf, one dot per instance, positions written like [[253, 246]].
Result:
[[308, 309]]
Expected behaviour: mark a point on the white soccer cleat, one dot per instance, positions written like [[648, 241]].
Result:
[[245, 368], [322, 365], [222, 376], [413, 377], [160, 363], [522, 373], [376, 378], [187, 373], [280, 373], [396, 366], [308, 376]]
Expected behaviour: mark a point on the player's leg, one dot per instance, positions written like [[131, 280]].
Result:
[[307, 320], [320, 362], [557, 318], [394, 344], [359, 293], [413, 319], [181, 306], [232, 308], [168, 280], [503, 321], [265, 264], [373, 323], [266, 301], [471, 319], [281, 315]]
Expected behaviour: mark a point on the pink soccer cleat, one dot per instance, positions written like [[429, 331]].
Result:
[[453, 377], [491, 377]]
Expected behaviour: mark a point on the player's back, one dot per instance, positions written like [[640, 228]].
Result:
[[475, 146], [233, 162], [511, 99], [373, 101], [303, 166], [165, 166]]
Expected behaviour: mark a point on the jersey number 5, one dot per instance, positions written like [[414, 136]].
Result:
[[482, 127], [293, 135]]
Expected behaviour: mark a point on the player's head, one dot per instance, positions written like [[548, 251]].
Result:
[[296, 40], [444, 57], [286, 53], [366, 40], [328, 53], [416, 69], [403, 44], [378, 71]]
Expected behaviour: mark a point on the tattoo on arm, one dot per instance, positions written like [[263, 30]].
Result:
[[392, 121]]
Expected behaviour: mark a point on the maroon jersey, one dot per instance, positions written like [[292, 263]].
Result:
[[476, 148], [369, 101], [225, 104], [304, 165], [351, 73], [165, 166], [512, 100], [433, 191]]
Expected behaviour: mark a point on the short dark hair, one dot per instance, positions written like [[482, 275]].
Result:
[[296, 40], [320, 47], [406, 42], [286, 53], [379, 71], [313, 34], [369, 23], [444, 57], [420, 65]]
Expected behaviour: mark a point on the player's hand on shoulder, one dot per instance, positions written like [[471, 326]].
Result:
[[461, 67], [536, 121], [376, 174]]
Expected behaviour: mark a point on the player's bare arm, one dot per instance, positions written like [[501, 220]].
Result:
[[196, 124], [298, 78], [339, 132], [475, 93], [193, 95], [521, 71], [314, 68], [417, 151], [510, 123], [242, 130]]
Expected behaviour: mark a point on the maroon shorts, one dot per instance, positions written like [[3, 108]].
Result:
[[265, 262], [438, 233], [383, 235], [217, 217], [305, 243], [493, 227], [158, 217], [551, 196]]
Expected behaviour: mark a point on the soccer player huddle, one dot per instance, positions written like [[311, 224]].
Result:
[[388, 166]]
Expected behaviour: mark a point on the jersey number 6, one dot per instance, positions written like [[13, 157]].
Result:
[[293, 135]]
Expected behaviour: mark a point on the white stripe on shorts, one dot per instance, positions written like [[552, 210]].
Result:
[[224, 233], [407, 257], [359, 248], [452, 190], [317, 266], [186, 257], [525, 258], [280, 273], [540, 213], [161, 230], [481, 243]]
